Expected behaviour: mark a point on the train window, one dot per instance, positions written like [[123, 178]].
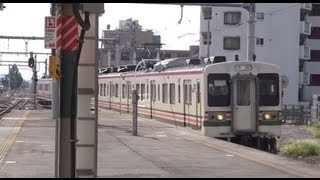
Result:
[[129, 89], [198, 92], [153, 91], [243, 92], [147, 91], [187, 91], [107, 90], [172, 93], [143, 92], [101, 89], [268, 89], [104, 89], [124, 94], [138, 90], [190, 94], [117, 90], [158, 92], [165, 93], [218, 90], [179, 94]]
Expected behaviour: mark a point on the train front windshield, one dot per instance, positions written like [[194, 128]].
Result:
[[218, 90], [268, 89]]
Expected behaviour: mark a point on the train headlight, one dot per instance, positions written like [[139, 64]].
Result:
[[267, 116], [220, 116]]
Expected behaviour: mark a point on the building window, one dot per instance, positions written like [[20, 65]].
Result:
[[260, 16], [104, 89], [315, 55], [315, 33], [207, 13], [315, 10], [259, 41], [232, 18], [314, 79], [231, 43], [206, 38]]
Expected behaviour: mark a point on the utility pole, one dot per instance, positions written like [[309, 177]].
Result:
[[34, 80], [55, 105], [208, 39], [130, 37], [251, 31], [9, 81]]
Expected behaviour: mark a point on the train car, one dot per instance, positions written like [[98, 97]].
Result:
[[232, 100], [44, 91], [239, 101]]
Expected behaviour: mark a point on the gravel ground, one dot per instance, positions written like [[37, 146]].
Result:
[[298, 132]]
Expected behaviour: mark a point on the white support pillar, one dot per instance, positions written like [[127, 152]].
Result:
[[86, 146]]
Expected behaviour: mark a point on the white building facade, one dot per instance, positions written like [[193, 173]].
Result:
[[282, 33]]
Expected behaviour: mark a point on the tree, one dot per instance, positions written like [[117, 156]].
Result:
[[15, 77], [5, 82], [25, 85]]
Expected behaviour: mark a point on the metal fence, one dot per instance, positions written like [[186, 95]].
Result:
[[296, 114]]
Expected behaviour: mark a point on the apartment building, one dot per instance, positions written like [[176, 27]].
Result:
[[144, 44], [282, 33]]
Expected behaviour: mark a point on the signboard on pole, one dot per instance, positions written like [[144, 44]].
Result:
[[50, 32]]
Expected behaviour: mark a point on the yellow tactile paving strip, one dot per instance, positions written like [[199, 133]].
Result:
[[7, 143]]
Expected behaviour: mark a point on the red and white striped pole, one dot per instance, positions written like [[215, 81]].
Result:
[[66, 46]]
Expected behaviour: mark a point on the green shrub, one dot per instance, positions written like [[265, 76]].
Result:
[[315, 130], [296, 148]]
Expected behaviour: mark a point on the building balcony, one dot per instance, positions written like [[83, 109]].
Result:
[[304, 78], [306, 6], [304, 53], [305, 28]]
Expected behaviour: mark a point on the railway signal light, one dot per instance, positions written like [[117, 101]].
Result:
[[31, 62], [54, 69]]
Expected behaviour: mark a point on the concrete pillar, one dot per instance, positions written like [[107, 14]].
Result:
[[86, 146]]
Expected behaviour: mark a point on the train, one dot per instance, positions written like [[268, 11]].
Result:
[[238, 101]]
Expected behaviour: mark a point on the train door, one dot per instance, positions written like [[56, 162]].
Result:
[[187, 97], [152, 97], [244, 104]]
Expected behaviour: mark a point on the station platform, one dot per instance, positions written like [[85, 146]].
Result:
[[158, 151]]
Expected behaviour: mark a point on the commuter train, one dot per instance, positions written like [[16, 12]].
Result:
[[239, 101]]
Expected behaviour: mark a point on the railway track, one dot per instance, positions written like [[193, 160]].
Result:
[[19, 104]]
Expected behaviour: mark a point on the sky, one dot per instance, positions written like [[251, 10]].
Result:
[[27, 19]]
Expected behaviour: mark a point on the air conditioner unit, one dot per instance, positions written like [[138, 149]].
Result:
[[304, 78]]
